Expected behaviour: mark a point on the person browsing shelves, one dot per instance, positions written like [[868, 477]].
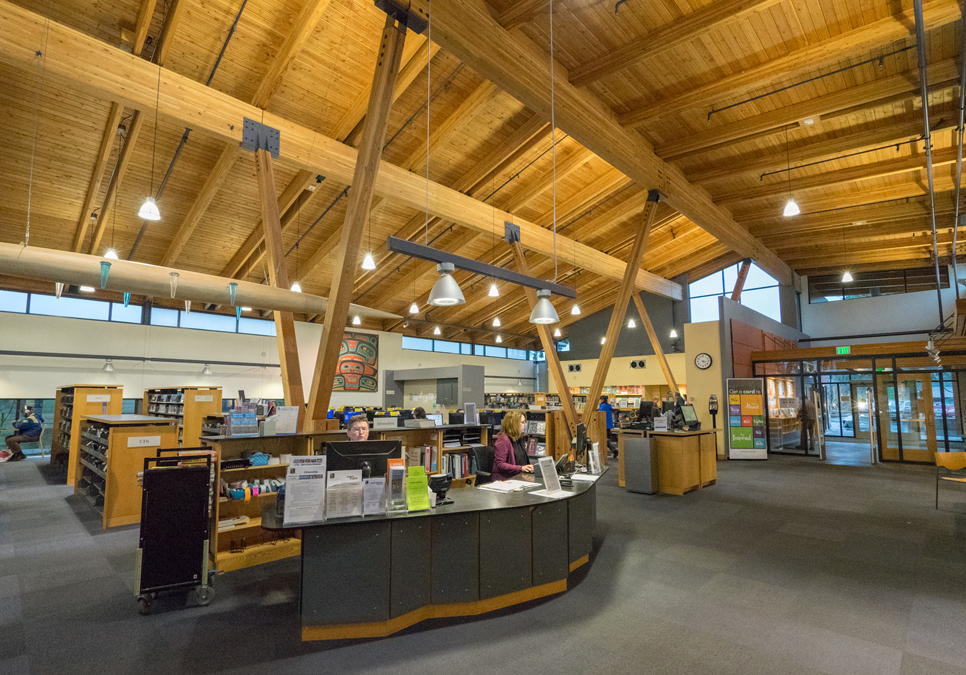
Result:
[[510, 457], [358, 428]]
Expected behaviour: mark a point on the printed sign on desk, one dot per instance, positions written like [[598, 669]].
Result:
[[746, 419]]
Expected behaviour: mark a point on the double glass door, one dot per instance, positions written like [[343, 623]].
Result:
[[847, 409], [908, 416]]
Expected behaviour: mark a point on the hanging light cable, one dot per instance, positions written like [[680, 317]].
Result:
[[791, 208], [368, 263], [297, 287], [149, 209], [575, 310], [414, 308]]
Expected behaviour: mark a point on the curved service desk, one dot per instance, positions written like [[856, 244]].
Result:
[[370, 577]]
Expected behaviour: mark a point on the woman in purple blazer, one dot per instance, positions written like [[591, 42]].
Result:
[[510, 457]]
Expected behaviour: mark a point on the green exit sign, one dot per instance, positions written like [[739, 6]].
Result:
[[842, 350]]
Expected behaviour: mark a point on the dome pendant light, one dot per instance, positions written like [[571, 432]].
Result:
[[575, 311], [791, 208], [673, 335], [296, 287], [437, 331], [446, 292], [149, 210], [496, 322], [108, 367], [414, 308], [111, 254], [356, 321], [847, 277], [206, 370], [368, 263], [494, 291], [499, 339], [556, 332], [543, 312], [631, 324]]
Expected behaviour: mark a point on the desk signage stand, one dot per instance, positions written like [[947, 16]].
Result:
[[549, 473]]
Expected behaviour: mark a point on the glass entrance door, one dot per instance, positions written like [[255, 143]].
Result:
[[861, 405], [917, 418], [839, 419]]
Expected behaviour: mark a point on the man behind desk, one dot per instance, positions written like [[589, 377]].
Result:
[[27, 431], [358, 428]]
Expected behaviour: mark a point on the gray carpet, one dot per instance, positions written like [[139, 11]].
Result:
[[786, 566]]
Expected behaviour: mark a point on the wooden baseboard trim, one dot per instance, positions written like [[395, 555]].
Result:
[[353, 631], [581, 561]]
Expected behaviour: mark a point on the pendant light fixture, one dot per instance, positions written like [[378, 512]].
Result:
[[111, 254], [86, 289], [791, 208], [296, 286], [206, 370], [556, 332], [575, 310], [494, 291], [149, 209], [603, 340], [543, 312], [356, 321], [446, 292], [499, 339], [673, 335], [496, 322], [414, 308], [847, 277], [631, 324], [368, 263], [437, 331], [108, 367]]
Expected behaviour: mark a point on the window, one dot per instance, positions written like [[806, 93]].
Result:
[[418, 344], [202, 321], [760, 293], [479, 350], [498, 352], [466, 348], [13, 302], [256, 327], [829, 288], [520, 354], [446, 347], [71, 308], [122, 314], [164, 317]]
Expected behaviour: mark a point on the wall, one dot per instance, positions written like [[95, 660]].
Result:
[[705, 338], [32, 377], [620, 371], [585, 334], [729, 310], [885, 314]]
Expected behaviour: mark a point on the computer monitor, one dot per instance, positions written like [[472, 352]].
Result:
[[437, 418], [369, 456], [646, 411], [689, 415], [667, 406], [581, 444], [348, 415]]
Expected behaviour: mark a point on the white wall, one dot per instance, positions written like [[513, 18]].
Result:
[[39, 377], [885, 314]]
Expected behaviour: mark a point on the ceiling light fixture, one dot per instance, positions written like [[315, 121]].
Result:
[[356, 321], [499, 339], [631, 324], [543, 312], [149, 209], [496, 322], [494, 291], [206, 370], [437, 331], [791, 208], [556, 332], [446, 292], [603, 340], [414, 308], [296, 287], [847, 277], [86, 289], [111, 254], [246, 309], [674, 334], [108, 367], [368, 263]]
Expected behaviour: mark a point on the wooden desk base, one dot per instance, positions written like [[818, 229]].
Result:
[[686, 461]]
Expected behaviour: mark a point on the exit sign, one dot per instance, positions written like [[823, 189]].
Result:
[[842, 350]]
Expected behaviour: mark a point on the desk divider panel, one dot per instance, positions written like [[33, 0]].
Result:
[[581, 524], [345, 573], [455, 558], [505, 552], [410, 586], [550, 543]]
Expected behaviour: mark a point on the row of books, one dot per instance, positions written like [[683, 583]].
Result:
[[459, 465], [422, 455]]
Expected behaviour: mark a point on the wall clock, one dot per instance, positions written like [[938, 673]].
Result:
[[703, 361]]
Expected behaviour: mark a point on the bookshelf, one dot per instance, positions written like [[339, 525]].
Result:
[[521, 401], [188, 405], [71, 405], [112, 450]]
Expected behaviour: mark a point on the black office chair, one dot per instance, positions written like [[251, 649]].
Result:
[[484, 463]]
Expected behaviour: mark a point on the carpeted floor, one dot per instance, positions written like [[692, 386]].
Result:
[[785, 567]]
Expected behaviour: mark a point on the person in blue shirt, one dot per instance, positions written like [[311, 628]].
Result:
[[27, 431], [609, 410]]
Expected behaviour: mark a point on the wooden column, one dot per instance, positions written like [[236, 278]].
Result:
[[627, 288], [360, 197], [655, 342], [549, 348], [740, 281], [288, 354]]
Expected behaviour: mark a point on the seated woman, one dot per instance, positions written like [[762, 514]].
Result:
[[510, 457], [419, 414]]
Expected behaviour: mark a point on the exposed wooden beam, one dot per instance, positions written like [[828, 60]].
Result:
[[519, 67], [549, 348], [522, 11], [288, 353], [815, 107], [367, 166], [107, 144], [81, 62], [120, 168], [655, 342], [172, 18], [872, 35], [141, 25], [740, 281], [665, 38], [620, 305]]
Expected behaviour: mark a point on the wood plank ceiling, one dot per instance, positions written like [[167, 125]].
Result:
[[852, 138]]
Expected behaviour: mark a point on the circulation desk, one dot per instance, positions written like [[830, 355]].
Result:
[[373, 576], [686, 460]]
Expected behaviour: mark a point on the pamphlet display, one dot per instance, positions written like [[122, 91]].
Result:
[[344, 493], [305, 490], [373, 496], [417, 489], [746, 419], [287, 419], [593, 460], [396, 474]]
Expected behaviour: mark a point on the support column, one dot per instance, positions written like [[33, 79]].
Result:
[[549, 348], [655, 342], [288, 354], [360, 198], [627, 288], [740, 281]]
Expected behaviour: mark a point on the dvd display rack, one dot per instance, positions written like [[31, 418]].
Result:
[[188, 405], [71, 405]]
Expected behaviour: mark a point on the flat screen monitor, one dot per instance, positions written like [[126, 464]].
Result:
[[689, 415], [348, 415], [645, 411], [369, 456], [667, 406], [581, 444], [437, 418]]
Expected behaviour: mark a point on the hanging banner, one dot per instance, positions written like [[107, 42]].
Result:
[[746, 419]]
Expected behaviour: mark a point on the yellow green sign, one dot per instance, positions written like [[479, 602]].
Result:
[[842, 350]]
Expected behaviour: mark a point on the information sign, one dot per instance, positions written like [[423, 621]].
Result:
[[746, 419]]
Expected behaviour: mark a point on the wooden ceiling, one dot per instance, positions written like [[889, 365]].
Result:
[[655, 67]]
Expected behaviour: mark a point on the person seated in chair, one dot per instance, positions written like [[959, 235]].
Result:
[[510, 456], [27, 431]]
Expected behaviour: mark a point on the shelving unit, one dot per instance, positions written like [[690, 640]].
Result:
[[112, 449], [72, 404], [189, 405]]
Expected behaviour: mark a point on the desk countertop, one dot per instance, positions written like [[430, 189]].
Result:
[[464, 500], [128, 420], [681, 433]]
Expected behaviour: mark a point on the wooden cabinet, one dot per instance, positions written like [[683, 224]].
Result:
[[72, 405], [112, 450], [685, 460]]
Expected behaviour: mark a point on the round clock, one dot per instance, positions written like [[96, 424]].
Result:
[[703, 361]]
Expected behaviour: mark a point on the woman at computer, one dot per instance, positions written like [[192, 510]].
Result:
[[419, 414], [510, 457]]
